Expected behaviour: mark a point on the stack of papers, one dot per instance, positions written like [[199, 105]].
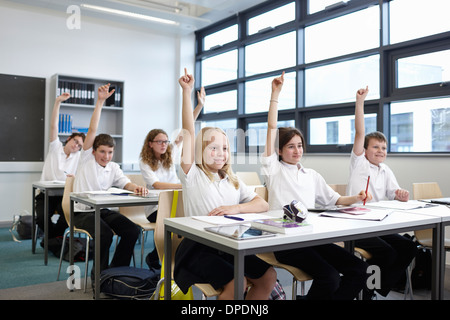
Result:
[[235, 218], [398, 205], [367, 214]]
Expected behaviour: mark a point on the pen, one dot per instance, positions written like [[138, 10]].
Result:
[[367, 188], [234, 218]]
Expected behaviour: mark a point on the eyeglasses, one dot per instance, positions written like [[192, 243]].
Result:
[[295, 211], [161, 142]]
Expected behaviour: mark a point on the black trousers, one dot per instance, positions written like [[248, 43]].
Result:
[[392, 254], [54, 206], [111, 222], [325, 264]]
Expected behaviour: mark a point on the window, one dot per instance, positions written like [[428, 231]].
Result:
[[411, 19], [219, 68], [272, 54], [338, 82], [257, 94], [329, 49], [350, 33], [421, 126], [423, 69], [272, 18], [221, 37]]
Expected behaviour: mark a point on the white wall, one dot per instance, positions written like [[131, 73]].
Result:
[[37, 43]]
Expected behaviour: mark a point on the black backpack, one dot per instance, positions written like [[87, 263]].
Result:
[[128, 282]]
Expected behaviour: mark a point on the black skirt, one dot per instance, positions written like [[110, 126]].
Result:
[[197, 263]]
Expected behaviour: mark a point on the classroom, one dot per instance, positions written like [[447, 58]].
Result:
[[331, 54]]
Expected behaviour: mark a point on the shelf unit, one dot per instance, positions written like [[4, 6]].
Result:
[[80, 106]]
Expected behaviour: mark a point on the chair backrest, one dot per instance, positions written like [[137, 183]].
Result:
[[262, 192], [426, 190], [134, 211], [339, 188], [68, 188], [250, 178], [164, 209]]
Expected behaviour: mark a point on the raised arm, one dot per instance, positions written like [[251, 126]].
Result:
[[201, 95], [358, 145], [187, 158], [54, 121], [272, 117], [103, 93]]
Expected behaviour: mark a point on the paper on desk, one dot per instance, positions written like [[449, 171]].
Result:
[[397, 205], [222, 220], [374, 214]]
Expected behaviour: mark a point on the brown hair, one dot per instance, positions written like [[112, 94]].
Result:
[[76, 134], [374, 135], [285, 134], [148, 156], [103, 139]]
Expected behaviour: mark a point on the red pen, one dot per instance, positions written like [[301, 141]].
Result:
[[367, 188]]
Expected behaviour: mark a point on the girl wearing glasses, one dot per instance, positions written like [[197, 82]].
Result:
[[211, 188], [288, 180]]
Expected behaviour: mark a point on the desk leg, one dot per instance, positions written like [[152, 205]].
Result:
[[239, 275], [167, 264], [33, 221], [71, 236], [437, 265], [97, 254], [46, 227]]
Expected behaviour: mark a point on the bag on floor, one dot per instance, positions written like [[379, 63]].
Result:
[[128, 282], [22, 226]]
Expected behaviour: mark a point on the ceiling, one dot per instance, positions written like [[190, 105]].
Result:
[[187, 16]]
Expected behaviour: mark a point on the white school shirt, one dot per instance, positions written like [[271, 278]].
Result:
[[93, 177], [201, 195], [286, 182], [57, 165], [382, 183]]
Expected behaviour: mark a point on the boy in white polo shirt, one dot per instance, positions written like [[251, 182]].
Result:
[[61, 160], [392, 253], [97, 172]]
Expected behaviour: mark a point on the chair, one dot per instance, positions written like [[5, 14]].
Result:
[[137, 214], [164, 210], [339, 188], [68, 187], [269, 257], [250, 178], [427, 190]]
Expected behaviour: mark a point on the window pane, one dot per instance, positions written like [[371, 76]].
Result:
[[319, 5], [221, 37], [339, 82], [220, 68], [338, 130], [272, 54], [347, 34], [229, 126], [423, 69], [411, 19], [421, 126], [272, 18], [257, 134], [220, 102], [257, 94]]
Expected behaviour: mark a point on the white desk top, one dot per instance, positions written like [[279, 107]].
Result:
[[49, 184], [323, 228], [113, 200]]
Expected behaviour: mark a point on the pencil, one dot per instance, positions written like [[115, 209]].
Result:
[[367, 188]]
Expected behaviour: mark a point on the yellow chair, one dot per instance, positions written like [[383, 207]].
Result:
[[137, 214], [339, 188], [427, 190], [164, 210], [262, 192], [250, 178], [66, 208]]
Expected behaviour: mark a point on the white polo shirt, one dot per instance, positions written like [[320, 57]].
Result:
[[201, 195], [382, 184], [93, 177], [286, 182], [57, 165]]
